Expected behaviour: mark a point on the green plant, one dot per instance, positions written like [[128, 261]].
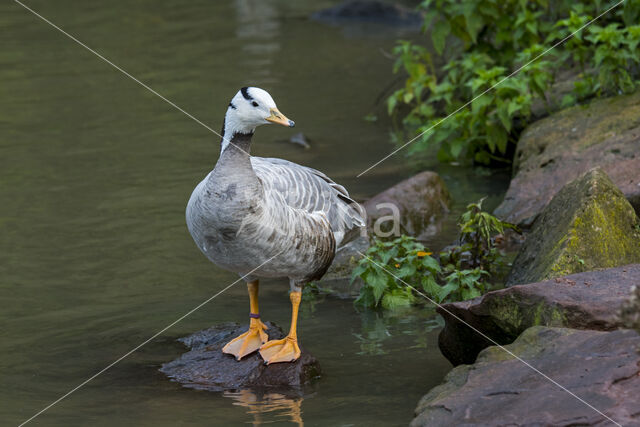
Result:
[[485, 41], [390, 269], [476, 231], [387, 263], [476, 246], [464, 284]]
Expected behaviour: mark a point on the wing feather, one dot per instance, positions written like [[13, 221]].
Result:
[[310, 190]]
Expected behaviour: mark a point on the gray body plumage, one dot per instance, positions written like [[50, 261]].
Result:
[[249, 209]]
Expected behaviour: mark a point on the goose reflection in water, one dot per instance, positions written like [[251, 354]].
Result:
[[259, 404]]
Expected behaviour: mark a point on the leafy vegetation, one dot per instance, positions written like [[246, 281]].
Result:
[[482, 43], [395, 271], [475, 247], [385, 267]]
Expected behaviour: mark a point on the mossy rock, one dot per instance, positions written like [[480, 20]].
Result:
[[589, 300], [588, 225], [558, 149]]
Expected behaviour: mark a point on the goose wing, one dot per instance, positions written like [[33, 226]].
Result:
[[310, 190]]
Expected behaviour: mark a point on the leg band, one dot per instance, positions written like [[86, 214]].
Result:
[[254, 315]]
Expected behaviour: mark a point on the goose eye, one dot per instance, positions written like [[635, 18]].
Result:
[[254, 103]]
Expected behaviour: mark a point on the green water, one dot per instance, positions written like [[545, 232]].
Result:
[[95, 172]]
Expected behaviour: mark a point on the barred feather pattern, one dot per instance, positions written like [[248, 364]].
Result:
[[250, 209]]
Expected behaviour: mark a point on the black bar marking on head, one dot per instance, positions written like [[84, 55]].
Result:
[[232, 106], [245, 93]]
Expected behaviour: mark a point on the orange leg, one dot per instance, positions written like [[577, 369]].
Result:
[[286, 349], [251, 340]]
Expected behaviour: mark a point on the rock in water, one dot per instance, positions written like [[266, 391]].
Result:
[[590, 300], [370, 11], [205, 367], [588, 225], [556, 150], [498, 390], [421, 202]]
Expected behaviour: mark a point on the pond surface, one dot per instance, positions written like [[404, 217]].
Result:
[[95, 172]]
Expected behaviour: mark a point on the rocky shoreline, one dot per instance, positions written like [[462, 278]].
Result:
[[576, 189], [576, 193]]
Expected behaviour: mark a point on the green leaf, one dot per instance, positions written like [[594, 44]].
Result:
[[479, 103], [396, 300], [430, 286], [568, 101], [473, 21], [378, 282], [431, 264], [387, 255], [498, 137], [392, 101], [357, 272], [503, 115], [631, 12], [456, 147], [446, 290], [406, 270], [513, 107], [439, 34]]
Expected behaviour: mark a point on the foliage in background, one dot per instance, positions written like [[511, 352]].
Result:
[[462, 271], [485, 41]]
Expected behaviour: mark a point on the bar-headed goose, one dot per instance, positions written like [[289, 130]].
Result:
[[264, 217]]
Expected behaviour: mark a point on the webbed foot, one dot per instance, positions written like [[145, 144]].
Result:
[[248, 342], [284, 350]]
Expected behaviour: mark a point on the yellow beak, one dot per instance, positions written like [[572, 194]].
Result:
[[279, 118]]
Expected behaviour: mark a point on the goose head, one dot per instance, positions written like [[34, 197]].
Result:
[[250, 108]]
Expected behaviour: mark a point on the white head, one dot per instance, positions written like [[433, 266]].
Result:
[[250, 108]]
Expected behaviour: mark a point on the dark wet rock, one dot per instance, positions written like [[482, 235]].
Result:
[[422, 201], [590, 300], [337, 280], [369, 11], [556, 150], [205, 367], [587, 225], [563, 85], [603, 368]]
